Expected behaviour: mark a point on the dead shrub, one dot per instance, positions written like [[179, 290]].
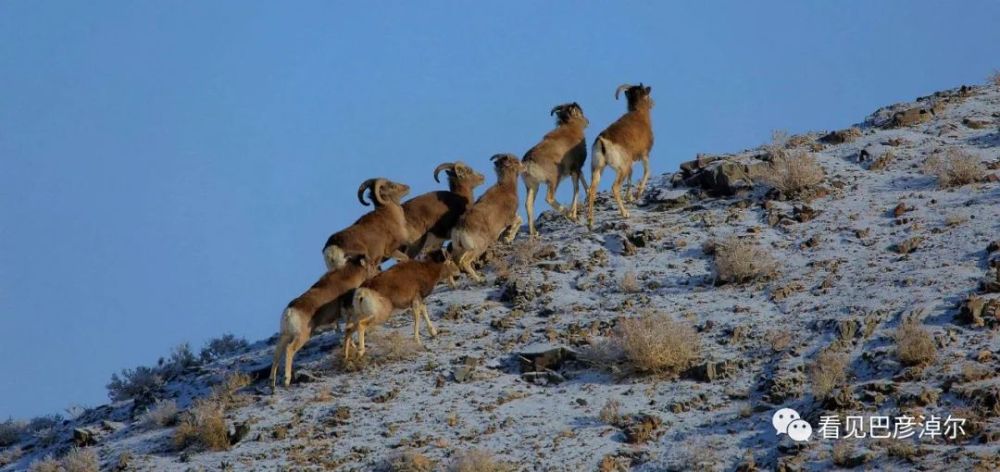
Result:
[[478, 460], [163, 414], [652, 343], [955, 168], [45, 464], [611, 412], [203, 425], [407, 461], [629, 283], [11, 431], [81, 460], [740, 260], [394, 346], [914, 344], [791, 172], [828, 371], [225, 392]]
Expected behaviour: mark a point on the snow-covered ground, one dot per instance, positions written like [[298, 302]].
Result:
[[838, 279]]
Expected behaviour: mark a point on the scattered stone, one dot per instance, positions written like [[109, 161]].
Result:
[[909, 245], [83, 437], [304, 376], [642, 428], [842, 136], [711, 371], [238, 432]]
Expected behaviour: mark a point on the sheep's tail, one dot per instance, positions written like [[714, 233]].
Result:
[[334, 257]]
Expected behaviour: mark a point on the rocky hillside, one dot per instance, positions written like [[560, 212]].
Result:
[[849, 273]]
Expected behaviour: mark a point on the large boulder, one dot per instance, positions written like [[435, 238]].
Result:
[[721, 178]]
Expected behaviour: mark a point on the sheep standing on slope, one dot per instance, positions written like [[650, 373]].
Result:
[[376, 235], [319, 306], [561, 153], [404, 285], [495, 211], [430, 217], [622, 144]]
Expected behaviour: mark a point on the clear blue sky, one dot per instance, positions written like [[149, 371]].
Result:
[[169, 171]]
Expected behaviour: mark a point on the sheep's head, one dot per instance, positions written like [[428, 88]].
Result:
[[507, 165], [361, 262], [449, 270], [382, 190], [569, 112], [460, 175], [637, 96]]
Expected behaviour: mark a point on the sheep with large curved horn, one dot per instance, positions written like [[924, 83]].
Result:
[[620, 88], [445, 166], [361, 190]]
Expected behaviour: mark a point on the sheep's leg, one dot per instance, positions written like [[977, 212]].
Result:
[[577, 177], [550, 197], [595, 181], [414, 250], [465, 263], [290, 351], [427, 318], [616, 190], [529, 207], [279, 351], [645, 177], [513, 228], [348, 342], [361, 340], [415, 308], [628, 185]]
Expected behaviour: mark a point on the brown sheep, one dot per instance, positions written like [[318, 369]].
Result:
[[431, 216], [376, 235], [496, 211], [404, 285], [319, 306], [561, 153], [622, 144]]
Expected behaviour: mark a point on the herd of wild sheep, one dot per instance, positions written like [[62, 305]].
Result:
[[414, 232]]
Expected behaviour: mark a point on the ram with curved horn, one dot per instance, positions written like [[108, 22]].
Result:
[[494, 214], [430, 217], [559, 154], [376, 235], [375, 185], [621, 145]]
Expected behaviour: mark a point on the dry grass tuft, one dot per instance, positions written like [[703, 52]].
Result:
[[914, 344], [46, 464], [163, 414], [11, 431], [740, 261], [995, 78], [611, 413], [225, 392], [791, 172], [81, 460], [204, 425], [652, 343], [408, 461], [629, 283], [955, 168], [478, 460], [394, 346], [828, 372]]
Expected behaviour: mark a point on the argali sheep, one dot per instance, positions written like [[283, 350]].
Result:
[[376, 235], [404, 285], [622, 144], [561, 153], [480, 227], [431, 216], [319, 306]]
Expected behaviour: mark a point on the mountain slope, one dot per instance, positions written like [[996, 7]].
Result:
[[842, 283]]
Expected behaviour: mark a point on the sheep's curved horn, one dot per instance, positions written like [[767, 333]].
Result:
[[555, 109], [446, 166], [361, 190], [620, 88], [377, 192], [495, 157]]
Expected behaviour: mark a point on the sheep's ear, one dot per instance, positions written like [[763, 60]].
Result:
[[648, 89]]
